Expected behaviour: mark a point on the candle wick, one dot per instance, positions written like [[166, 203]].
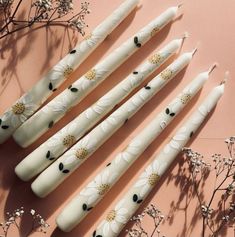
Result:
[[225, 78], [180, 5], [194, 51], [211, 69]]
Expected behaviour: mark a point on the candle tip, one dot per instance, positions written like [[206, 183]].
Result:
[[185, 35], [211, 69], [226, 77], [180, 5]]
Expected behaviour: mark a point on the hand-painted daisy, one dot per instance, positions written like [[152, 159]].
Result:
[[98, 187], [90, 41], [99, 107], [62, 69], [79, 152], [155, 59], [20, 111], [155, 30], [166, 74], [60, 104], [149, 177], [187, 93], [130, 152], [176, 140], [90, 79], [112, 121], [63, 139], [114, 220]]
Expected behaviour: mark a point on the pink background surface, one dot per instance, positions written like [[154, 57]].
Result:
[[211, 25]]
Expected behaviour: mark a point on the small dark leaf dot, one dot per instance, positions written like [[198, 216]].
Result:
[[65, 171], [126, 120], [5, 126], [136, 40], [88, 209], [94, 234], [108, 164], [73, 51], [167, 111], [70, 87], [135, 198], [99, 236], [138, 45], [50, 125], [135, 72], [191, 134], [50, 86], [74, 89], [84, 207], [172, 114], [147, 87], [52, 158], [139, 201], [54, 90], [0, 121], [48, 154], [61, 166]]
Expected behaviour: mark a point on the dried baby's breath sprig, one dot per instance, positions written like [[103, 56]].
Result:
[[139, 231], [42, 12], [14, 219], [215, 214]]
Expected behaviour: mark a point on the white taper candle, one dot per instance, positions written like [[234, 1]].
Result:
[[88, 198], [33, 98], [51, 113], [73, 158], [130, 202], [51, 149]]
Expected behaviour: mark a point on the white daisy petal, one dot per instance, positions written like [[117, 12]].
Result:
[[141, 182], [166, 149], [106, 229], [114, 227], [174, 144]]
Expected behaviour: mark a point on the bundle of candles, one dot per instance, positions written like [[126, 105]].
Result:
[[61, 155]]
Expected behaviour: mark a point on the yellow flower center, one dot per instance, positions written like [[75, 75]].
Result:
[[154, 31], [81, 153], [185, 98], [153, 178], [91, 74], [68, 70], [154, 59], [88, 37], [166, 74], [103, 188], [69, 140], [18, 108], [111, 216]]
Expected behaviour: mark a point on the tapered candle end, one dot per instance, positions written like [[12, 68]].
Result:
[[226, 77], [212, 68], [183, 38]]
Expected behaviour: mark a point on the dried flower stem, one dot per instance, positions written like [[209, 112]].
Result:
[[138, 230], [43, 12], [224, 169], [14, 218]]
